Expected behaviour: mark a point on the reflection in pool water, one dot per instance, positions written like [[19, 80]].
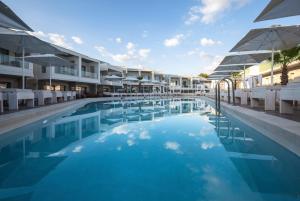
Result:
[[168, 150]]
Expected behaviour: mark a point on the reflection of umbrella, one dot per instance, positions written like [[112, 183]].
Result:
[[9, 19], [273, 38], [279, 8], [48, 60], [21, 42]]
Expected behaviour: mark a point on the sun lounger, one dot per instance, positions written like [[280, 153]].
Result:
[[67, 95], [1, 103], [241, 96], [57, 96], [287, 96], [268, 95], [42, 96], [13, 96]]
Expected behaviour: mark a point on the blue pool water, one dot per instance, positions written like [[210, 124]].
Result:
[[160, 150]]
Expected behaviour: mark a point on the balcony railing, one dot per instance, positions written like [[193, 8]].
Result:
[[13, 61], [89, 74], [66, 71]]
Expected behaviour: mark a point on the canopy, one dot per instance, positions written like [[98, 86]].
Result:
[[47, 60], [131, 79], [113, 77], [279, 8], [272, 38], [9, 19], [21, 42], [244, 59], [234, 68], [18, 41]]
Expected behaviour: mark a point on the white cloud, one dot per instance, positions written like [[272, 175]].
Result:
[[121, 58], [118, 40], [130, 46], [77, 40], [131, 55], [172, 42], [55, 38], [209, 42], [210, 10], [144, 53], [59, 40]]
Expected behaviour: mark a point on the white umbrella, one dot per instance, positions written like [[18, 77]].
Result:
[[272, 38], [238, 62], [113, 77], [22, 42], [279, 8], [48, 60], [9, 19]]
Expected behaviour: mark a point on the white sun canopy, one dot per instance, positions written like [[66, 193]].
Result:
[[22, 42], [9, 19], [278, 9], [272, 38], [48, 60]]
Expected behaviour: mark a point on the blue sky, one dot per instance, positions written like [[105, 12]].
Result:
[[174, 36]]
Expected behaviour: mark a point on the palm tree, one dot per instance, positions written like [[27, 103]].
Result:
[[285, 57], [140, 82]]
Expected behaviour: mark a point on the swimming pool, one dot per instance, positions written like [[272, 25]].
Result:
[[158, 150]]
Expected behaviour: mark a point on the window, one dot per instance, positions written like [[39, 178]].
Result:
[[44, 69]]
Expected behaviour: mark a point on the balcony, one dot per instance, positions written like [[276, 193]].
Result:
[[11, 65], [12, 61], [66, 71], [87, 74]]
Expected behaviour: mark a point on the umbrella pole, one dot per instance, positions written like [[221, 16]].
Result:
[[23, 66], [244, 77], [272, 68], [50, 77]]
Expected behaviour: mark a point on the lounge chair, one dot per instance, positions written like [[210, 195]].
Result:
[[267, 94], [57, 96], [42, 96], [67, 95], [241, 96], [1, 103], [13, 96], [288, 95]]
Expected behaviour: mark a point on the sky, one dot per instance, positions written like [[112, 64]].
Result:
[[184, 37]]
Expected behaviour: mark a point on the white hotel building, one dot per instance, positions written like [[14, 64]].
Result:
[[92, 77]]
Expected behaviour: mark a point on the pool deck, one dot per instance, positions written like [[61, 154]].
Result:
[[281, 130]]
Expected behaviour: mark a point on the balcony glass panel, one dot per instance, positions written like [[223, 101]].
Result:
[[89, 74], [13, 61], [66, 71]]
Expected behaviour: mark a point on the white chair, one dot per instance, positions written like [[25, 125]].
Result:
[[42, 96], [67, 95], [287, 96], [57, 96], [241, 96], [1, 103], [13, 96], [73, 95], [268, 95]]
